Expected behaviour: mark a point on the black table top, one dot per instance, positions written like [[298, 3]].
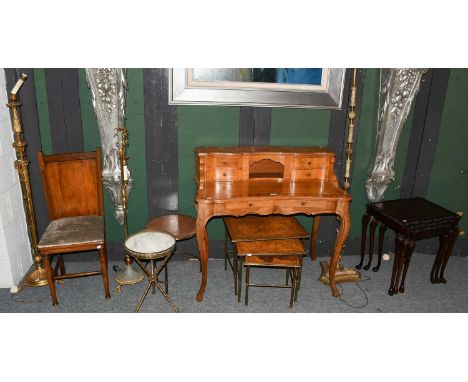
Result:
[[413, 211]]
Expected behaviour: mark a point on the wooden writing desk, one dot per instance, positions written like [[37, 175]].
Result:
[[237, 181]]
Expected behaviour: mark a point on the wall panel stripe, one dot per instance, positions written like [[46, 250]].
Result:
[[425, 131], [161, 144], [254, 126], [64, 109]]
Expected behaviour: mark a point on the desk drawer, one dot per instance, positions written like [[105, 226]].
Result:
[[307, 206], [227, 174], [305, 175], [227, 161], [255, 206], [306, 163]]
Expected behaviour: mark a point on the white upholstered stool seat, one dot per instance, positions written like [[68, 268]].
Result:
[[151, 246]]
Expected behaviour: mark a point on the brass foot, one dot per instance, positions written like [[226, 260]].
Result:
[[342, 274]]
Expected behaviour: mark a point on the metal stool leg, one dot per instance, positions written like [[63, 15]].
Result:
[[166, 279], [225, 249], [293, 288], [247, 281], [137, 309], [239, 278]]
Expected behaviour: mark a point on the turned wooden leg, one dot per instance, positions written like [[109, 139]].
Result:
[[408, 252], [313, 237], [61, 265], [373, 226], [451, 239], [382, 230], [401, 260], [50, 280], [443, 244], [399, 240], [105, 274], [365, 222]]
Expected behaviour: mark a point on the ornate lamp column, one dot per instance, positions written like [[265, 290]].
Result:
[[108, 86], [398, 87], [38, 276]]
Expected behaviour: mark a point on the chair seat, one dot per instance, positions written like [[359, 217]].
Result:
[[73, 231], [288, 261]]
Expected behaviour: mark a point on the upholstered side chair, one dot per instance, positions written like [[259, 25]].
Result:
[[73, 190]]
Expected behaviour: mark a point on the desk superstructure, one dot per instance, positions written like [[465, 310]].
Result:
[[237, 181]]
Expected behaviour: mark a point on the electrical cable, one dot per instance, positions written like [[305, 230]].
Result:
[[362, 290]]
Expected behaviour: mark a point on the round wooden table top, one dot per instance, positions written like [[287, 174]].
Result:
[[180, 226]]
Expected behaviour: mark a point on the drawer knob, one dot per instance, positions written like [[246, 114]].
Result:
[[224, 174], [308, 174], [309, 163], [303, 203], [250, 204]]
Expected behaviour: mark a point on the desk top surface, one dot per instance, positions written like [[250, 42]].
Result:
[[270, 188], [235, 150]]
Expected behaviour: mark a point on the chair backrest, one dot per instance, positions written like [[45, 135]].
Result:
[[72, 183]]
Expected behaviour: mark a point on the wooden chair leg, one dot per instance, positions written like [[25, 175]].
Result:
[[105, 274], [50, 280], [61, 265]]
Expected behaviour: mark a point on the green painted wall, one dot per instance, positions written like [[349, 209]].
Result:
[[449, 179], [43, 111]]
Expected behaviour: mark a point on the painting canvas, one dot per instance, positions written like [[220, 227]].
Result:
[[280, 87]]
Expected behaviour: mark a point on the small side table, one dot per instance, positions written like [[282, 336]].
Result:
[[182, 227], [411, 219], [151, 246]]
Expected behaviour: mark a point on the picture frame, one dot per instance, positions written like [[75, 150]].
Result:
[[185, 89]]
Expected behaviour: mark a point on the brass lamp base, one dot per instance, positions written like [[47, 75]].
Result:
[[342, 274], [128, 276], [36, 278]]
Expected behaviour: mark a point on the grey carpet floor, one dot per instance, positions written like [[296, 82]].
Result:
[[87, 294]]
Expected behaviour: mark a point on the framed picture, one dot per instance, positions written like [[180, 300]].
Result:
[[320, 88]]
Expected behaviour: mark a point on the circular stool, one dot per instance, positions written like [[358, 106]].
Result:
[[182, 227], [149, 245]]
